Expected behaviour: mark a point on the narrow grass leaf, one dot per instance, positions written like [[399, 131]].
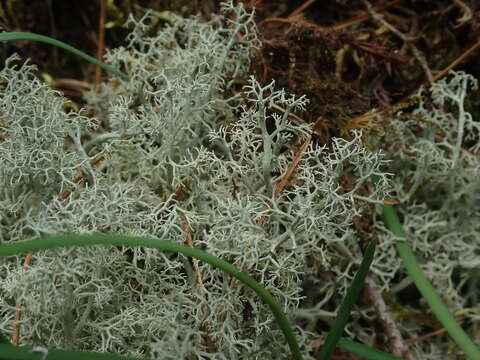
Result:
[[364, 351], [426, 289], [346, 307], [9, 36], [10, 352], [50, 242]]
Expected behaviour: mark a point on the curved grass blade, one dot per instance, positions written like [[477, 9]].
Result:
[[10, 352], [119, 240], [426, 289], [346, 307], [365, 351], [8, 36]]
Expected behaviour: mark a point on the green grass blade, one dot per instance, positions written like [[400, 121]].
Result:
[[119, 240], [346, 307], [426, 289], [9, 36], [10, 352], [365, 351]]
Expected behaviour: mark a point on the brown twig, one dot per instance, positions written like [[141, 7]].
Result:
[[430, 334], [207, 341], [467, 13], [189, 241], [365, 17], [280, 186], [407, 39], [18, 314], [298, 20], [72, 86], [101, 41], [301, 8], [291, 168], [80, 179], [457, 61], [369, 116], [397, 344]]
